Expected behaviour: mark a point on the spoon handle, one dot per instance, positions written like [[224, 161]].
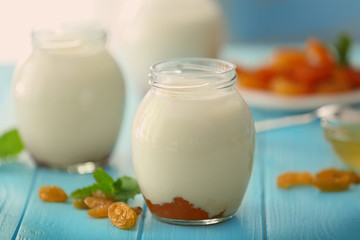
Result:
[[289, 121]]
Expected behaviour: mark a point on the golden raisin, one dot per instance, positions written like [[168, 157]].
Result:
[[98, 212], [79, 204], [121, 215], [92, 202], [355, 179], [138, 210], [99, 207], [52, 194], [101, 194], [289, 179], [332, 180]]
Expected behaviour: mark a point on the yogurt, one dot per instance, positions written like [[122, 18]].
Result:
[[196, 143], [69, 98], [152, 30]]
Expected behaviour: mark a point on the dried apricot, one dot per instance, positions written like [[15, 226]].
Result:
[[318, 54], [79, 204], [314, 69], [287, 86], [333, 180], [286, 58], [251, 80], [52, 194], [121, 215], [289, 179], [93, 202]]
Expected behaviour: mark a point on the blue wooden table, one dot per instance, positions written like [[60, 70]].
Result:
[[267, 212]]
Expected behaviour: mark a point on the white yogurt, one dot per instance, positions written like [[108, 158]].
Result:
[[196, 146], [69, 97], [152, 30]]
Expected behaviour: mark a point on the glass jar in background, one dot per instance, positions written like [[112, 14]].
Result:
[[148, 31], [69, 98], [193, 142]]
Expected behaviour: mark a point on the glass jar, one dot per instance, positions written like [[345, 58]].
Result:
[[193, 142], [69, 98], [148, 31]]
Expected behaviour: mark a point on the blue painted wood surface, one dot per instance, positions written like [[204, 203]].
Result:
[[266, 212]]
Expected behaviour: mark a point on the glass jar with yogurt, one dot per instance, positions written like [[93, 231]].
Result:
[[69, 98], [193, 142], [148, 31]]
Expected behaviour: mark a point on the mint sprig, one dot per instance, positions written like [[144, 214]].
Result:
[[122, 189], [104, 181], [84, 192], [10, 144], [342, 48], [125, 188]]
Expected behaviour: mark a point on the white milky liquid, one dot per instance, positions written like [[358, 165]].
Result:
[[196, 147], [163, 29], [69, 104]]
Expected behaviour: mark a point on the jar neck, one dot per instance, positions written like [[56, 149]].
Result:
[[69, 36], [193, 76]]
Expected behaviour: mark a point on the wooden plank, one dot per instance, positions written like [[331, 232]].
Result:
[[15, 184], [304, 212], [44, 220]]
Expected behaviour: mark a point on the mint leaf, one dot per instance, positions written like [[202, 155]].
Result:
[[122, 189], [117, 184], [342, 47], [104, 180], [84, 192], [10, 144], [125, 188]]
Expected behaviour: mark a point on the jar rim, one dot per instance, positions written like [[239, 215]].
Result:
[[192, 74], [68, 35]]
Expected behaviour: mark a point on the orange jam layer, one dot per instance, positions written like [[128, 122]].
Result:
[[179, 208]]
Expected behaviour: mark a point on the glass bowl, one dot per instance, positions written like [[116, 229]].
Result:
[[343, 134]]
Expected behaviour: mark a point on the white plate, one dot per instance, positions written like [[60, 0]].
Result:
[[266, 100]]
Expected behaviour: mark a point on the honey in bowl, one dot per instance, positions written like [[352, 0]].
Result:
[[345, 141], [343, 134]]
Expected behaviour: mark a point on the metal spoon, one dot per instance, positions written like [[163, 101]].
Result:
[[327, 111]]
